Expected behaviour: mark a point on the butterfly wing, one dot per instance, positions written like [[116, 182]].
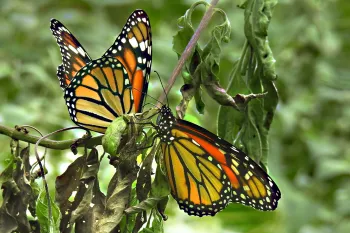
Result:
[[100, 92], [206, 173], [74, 57], [133, 48]]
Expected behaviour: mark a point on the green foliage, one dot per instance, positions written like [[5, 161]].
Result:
[[19, 193], [254, 72], [203, 67], [46, 224]]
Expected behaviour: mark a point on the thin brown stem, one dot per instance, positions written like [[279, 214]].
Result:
[[204, 22], [47, 143]]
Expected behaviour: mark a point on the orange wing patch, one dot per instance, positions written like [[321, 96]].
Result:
[[89, 81], [137, 85], [83, 91], [210, 148], [110, 78], [130, 61]]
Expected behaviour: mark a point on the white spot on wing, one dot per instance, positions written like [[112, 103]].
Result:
[[81, 51], [133, 42], [73, 49], [195, 142], [142, 46]]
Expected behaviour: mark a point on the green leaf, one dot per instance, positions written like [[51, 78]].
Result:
[[35, 194], [156, 226], [47, 225], [212, 51], [6, 174], [257, 16], [254, 73], [251, 136], [160, 187], [180, 41], [113, 136], [116, 202], [194, 82], [183, 36], [203, 66], [230, 120]]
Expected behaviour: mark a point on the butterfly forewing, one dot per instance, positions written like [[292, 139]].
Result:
[[74, 57], [99, 93], [133, 48]]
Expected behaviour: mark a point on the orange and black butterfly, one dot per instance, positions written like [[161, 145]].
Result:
[[98, 91], [206, 173]]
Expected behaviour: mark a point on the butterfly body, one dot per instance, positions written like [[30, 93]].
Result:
[[98, 91], [206, 173]]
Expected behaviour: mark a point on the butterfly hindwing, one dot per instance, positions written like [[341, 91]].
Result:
[[99, 93], [133, 48], [74, 57]]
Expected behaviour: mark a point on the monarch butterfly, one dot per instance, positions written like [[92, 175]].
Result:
[[98, 91], [206, 173]]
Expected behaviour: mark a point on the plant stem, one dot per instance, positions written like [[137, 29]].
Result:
[[184, 56], [52, 144]]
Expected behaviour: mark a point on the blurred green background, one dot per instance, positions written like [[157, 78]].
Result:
[[310, 135]]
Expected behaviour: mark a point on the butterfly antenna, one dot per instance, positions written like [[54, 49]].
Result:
[[147, 95], [150, 104], [161, 83]]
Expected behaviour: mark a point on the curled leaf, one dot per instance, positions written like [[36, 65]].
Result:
[[203, 67], [257, 15]]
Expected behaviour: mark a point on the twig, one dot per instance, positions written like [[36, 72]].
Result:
[[204, 22], [47, 143]]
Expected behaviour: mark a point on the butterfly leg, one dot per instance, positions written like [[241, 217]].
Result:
[[152, 144], [146, 147], [144, 123]]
